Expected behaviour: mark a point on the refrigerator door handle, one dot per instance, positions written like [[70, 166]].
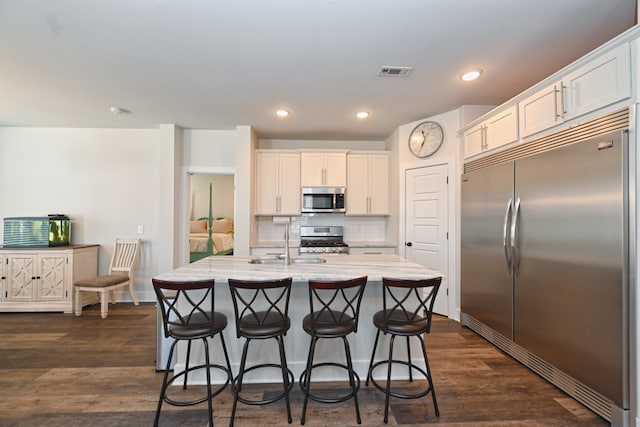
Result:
[[505, 239], [515, 255]]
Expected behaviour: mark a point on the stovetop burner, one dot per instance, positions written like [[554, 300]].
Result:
[[323, 242], [326, 240]]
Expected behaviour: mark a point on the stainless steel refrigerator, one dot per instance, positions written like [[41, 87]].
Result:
[[545, 255]]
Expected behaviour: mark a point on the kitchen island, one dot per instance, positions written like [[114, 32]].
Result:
[[335, 267]]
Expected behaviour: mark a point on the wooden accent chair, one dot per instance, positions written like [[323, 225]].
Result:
[[123, 260]]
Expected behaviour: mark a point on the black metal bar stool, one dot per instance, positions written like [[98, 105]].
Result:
[[262, 312], [334, 309], [407, 308], [188, 314]]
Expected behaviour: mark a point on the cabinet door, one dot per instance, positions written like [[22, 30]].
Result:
[[379, 184], [474, 140], [335, 169], [312, 169], [372, 250], [267, 183], [52, 278], [367, 184], [541, 110], [602, 82], [502, 129], [323, 169], [3, 276], [21, 284], [289, 184], [357, 184]]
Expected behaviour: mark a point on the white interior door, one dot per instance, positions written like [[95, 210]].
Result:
[[426, 228]]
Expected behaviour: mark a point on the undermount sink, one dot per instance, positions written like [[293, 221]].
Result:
[[280, 260]]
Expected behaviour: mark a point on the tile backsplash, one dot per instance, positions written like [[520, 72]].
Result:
[[370, 229]]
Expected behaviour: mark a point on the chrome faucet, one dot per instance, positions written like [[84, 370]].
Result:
[[287, 255]]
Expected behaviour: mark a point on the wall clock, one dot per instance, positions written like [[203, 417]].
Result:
[[426, 139]]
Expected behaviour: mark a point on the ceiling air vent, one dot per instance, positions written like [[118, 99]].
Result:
[[386, 71]]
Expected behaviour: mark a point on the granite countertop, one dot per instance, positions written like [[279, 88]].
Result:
[[336, 267]]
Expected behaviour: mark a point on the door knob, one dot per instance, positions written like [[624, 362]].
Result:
[[409, 244]]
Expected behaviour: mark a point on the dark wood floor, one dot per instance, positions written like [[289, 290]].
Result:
[[62, 370]]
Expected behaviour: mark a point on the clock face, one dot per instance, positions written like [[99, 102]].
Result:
[[425, 139]]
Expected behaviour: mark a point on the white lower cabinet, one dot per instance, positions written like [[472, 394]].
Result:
[[3, 276], [373, 250], [41, 279]]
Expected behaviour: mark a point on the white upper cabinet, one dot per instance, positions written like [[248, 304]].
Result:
[[474, 140], [323, 168], [602, 82], [277, 182], [496, 131], [367, 184], [541, 110], [597, 84]]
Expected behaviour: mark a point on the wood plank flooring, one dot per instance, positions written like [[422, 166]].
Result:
[[60, 370]]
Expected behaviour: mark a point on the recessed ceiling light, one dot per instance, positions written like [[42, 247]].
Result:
[[471, 75], [117, 110], [362, 114], [282, 113]]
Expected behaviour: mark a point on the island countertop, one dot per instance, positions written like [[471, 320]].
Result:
[[336, 267]]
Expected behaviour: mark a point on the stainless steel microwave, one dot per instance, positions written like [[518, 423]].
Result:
[[323, 199]]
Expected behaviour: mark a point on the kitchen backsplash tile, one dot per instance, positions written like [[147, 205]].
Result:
[[354, 228]]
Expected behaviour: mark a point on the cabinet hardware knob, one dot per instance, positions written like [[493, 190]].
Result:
[[409, 244]]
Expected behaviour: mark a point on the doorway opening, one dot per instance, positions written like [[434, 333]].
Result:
[[211, 214]]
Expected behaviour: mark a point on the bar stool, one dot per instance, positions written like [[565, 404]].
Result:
[[407, 311], [334, 309], [262, 312], [188, 314]]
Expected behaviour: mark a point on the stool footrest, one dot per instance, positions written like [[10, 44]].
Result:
[[214, 392], [396, 393], [234, 387], [354, 388]]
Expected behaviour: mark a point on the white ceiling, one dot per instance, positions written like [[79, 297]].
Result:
[[212, 64]]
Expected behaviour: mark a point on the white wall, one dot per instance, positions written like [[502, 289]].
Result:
[[105, 180], [209, 148], [450, 153]]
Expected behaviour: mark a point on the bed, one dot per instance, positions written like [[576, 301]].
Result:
[[218, 242]]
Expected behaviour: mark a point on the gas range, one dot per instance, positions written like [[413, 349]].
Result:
[[322, 240]]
